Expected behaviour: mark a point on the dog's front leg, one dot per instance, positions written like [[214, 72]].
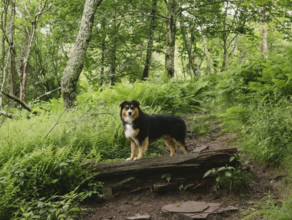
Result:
[[133, 150], [142, 149]]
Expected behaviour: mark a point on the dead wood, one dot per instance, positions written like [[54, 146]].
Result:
[[48, 93], [22, 103], [172, 171]]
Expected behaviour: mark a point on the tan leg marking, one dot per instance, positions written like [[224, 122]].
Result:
[[182, 147], [142, 149], [171, 144], [134, 148]]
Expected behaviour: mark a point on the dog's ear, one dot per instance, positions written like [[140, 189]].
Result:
[[122, 104], [136, 103]]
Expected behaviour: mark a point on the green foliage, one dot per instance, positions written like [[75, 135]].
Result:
[[166, 176], [260, 107], [284, 212], [200, 124], [43, 156], [275, 79], [168, 95], [229, 177]]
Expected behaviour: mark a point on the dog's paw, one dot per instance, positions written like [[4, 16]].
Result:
[[128, 159], [137, 158]]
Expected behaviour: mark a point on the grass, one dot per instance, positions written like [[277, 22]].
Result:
[[41, 174]]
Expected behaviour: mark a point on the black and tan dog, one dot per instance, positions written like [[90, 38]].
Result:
[[142, 128]]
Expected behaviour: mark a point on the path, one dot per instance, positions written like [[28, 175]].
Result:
[[147, 203]]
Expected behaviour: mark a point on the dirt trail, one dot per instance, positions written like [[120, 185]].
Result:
[[262, 188]]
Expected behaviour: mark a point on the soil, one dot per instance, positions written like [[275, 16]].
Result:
[[264, 186]]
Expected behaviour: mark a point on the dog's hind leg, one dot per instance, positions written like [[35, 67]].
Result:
[[182, 146], [134, 148], [142, 149], [171, 144]]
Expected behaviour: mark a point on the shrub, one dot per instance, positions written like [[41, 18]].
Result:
[[41, 170]]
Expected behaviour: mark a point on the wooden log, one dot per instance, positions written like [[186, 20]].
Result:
[[134, 175]]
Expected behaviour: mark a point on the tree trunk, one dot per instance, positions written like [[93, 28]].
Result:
[[12, 55], [144, 173], [150, 40], [31, 36], [103, 49], [207, 54], [76, 61], [3, 52], [264, 40], [172, 8], [113, 50], [224, 39], [193, 67], [224, 61]]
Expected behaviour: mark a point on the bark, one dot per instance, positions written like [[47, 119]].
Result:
[[145, 173], [224, 61], [76, 61], [150, 41], [12, 64], [172, 8]]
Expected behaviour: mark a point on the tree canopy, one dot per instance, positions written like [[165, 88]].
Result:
[[134, 40]]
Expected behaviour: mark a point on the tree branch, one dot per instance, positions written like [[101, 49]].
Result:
[[48, 93], [23, 104]]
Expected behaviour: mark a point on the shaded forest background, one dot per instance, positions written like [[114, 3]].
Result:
[[70, 66], [134, 40]]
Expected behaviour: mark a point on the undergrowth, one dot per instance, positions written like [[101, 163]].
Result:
[[43, 169], [255, 102]]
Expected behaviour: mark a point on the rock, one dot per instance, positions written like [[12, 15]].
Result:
[[195, 210], [200, 149], [189, 206], [139, 217]]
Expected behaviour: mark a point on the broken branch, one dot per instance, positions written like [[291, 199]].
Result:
[[48, 93], [23, 104]]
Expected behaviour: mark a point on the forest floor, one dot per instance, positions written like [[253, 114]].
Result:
[[265, 186]]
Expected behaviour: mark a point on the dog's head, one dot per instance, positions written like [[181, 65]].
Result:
[[129, 110]]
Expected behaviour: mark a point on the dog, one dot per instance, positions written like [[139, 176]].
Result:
[[141, 128]]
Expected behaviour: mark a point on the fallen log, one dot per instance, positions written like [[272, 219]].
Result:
[[161, 173]]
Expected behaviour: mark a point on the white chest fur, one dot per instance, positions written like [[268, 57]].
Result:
[[130, 133]]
